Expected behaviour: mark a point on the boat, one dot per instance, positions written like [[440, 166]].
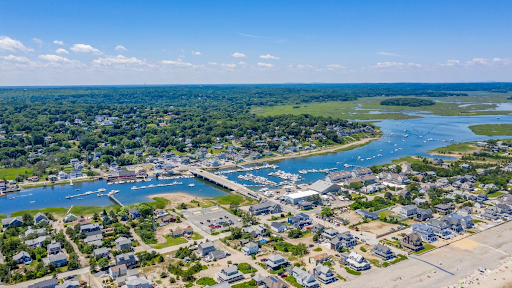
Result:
[[79, 198], [102, 190], [134, 188], [68, 197], [191, 185], [380, 155], [32, 201], [77, 189], [12, 198]]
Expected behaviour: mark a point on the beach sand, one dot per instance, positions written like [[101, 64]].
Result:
[[176, 198]]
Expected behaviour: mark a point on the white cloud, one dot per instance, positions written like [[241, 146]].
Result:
[[241, 63], [121, 48], [414, 65], [8, 44], [230, 66], [19, 59], [300, 66], [55, 59], [61, 51], [335, 66], [395, 65], [196, 53], [452, 63], [37, 41], [266, 65], [179, 63], [212, 63], [387, 53], [478, 61], [268, 56], [84, 48], [58, 42], [119, 59], [238, 55]]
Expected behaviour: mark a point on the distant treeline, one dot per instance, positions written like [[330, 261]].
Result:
[[411, 102]]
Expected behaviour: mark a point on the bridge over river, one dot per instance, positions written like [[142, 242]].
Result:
[[223, 182]]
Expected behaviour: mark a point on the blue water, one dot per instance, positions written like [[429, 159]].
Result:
[[436, 127]]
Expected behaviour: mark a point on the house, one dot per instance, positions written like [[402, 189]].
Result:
[[117, 271], [319, 258], [270, 282], [278, 227], [123, 243], [75, 173], [299, 220], [69, 284], [383, 251], [250, 248], [267, 207], [330, 233], [357, 262], [408, 211], [22, 258], [54, 248], [440, 228], [322, 187], [103, 252], [12, 222], [178, 232], [40, 218], [444, 208], [134, 213], [305, 205], [426, 233], [215, 255], [255, 231], [94, 240], [343, 240], [205, 248], [137, 282], [491, 213], [230, 274], [70, 218], [129, 259], [317, 228], [466, 222], [367, 214], [90, 229], [39, 232], [50, 283], [504, 208], [412, 242], [275, 262], [58, 259], [34, 243], [423, 214], [302, 277]]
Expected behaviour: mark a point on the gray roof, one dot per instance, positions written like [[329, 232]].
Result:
[[8, 221], [276, 224], [44, 283], [320, 186], [101, 251], [57, 257], [122, 240], [206, 245], [20, 255], [231, 269], [275, 257], [220, 285]]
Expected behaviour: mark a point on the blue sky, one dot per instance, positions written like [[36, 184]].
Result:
[[194, 42]]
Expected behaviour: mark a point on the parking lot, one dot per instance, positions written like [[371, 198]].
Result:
[[212, 217]]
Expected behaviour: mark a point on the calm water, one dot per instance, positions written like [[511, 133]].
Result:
[[435, 127]]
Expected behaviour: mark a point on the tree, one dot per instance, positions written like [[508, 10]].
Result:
[[233, 206], [73, 261], [356, 185], [145, 210], [295, 233], [103, 263], [300, 250], [326, 212]]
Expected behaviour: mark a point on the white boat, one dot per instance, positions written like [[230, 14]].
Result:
[[102, 190], [380, 155], [191, 185], [135, 188], [12, 198], [70, 182], [32, 201]]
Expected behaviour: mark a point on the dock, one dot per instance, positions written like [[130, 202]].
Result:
[[225, 183], [113, 198]]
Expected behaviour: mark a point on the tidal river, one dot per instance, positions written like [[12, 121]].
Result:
[[391, 146]]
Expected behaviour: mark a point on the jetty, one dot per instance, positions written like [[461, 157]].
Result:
[[223, 182]]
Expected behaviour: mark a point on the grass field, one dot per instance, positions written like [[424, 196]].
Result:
[[492, 129], [171, 241], [226, 200], [196, 236], [495, 194], [11, 173], [370, 108], [426, 247], [409, 159], [454, 148]]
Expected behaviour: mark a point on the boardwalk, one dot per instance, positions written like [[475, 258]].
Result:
[[113, 198], [228, 184]]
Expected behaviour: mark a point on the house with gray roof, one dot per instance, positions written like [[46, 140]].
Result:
[[34, 243], [278, 227], [123, 243], [302, 277], [324, 274], [423, 214], [22, 258], [440, 228], [412, 242], [205, 248], [12, 222], [407, 210], [322, 187], [103, 252], [343, 240], [215, 255], [39, 232], [59, 259], [458, 222], [250, 248], [426, 232], [383, 251], [275, 262], [367, 214], [129, 259], [39, 218], [50, 283], [267, 207], [230, 274], [53, 247]]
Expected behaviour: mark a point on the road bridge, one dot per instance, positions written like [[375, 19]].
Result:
[[223, 182]]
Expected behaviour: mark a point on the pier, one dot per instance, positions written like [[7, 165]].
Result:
[[113, 198], [228, 184]]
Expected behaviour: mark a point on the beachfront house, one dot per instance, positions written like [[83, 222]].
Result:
[[275, 262], [323, 274], [383, 251]]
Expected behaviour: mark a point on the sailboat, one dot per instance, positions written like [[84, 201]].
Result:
[[70, 182]]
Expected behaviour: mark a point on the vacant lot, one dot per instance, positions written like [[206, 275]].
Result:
[[11, 173], [377, 227]]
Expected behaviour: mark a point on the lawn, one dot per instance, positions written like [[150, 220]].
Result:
[[455, 147], [61, 212], [492, 129], [385, 213], [228, 199], [426, 247], [246, 268], [11, 173], [196, 236], [206, 281], [409, 159], [495, 194], [171, 241]]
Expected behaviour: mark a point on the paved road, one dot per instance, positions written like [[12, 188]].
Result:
[[59, 276], [485, 249]]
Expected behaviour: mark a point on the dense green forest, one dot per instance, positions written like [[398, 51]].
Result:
[[411, 102]]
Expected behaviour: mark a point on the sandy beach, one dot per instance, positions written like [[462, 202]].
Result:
[[176, 198]]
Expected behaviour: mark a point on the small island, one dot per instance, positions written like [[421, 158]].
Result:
[[410, 102]]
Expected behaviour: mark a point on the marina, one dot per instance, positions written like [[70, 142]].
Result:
[[439, 130]]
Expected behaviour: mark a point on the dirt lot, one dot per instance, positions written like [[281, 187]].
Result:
[[377, 227]]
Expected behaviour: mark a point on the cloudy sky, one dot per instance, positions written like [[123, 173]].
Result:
[[201, 42]]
